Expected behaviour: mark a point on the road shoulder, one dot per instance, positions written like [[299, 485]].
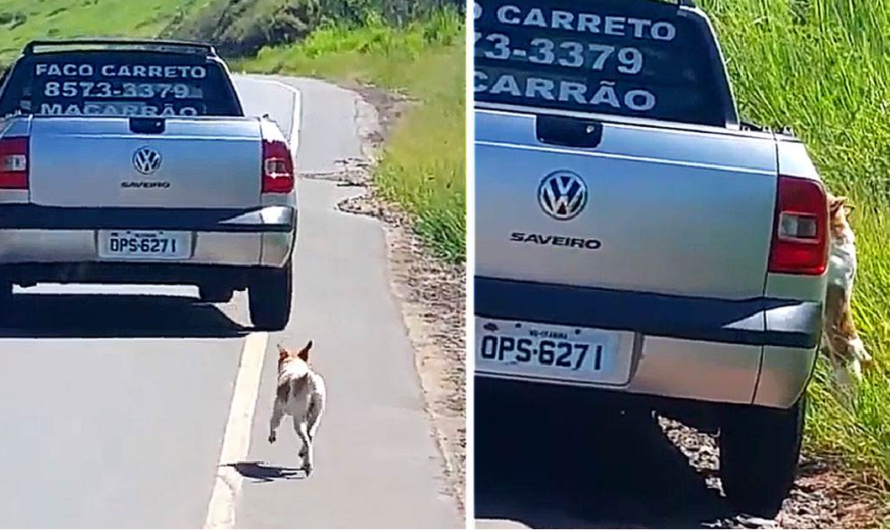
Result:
[[430, 293]]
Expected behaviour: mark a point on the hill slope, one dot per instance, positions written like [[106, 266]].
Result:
[[25, 20], [243, 27], [237, 27]]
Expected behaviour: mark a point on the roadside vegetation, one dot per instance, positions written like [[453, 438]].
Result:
[[243, 27], [821, 67], [25, 20], [423, 165]]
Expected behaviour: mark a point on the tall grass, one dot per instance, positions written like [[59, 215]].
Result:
[[822, 67], [424, 162], [25, 20], [242, 27]]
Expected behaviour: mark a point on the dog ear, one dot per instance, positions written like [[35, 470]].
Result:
[[304, 353], [282, 353]]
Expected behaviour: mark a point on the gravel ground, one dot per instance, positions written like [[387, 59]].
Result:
[[822, 496]]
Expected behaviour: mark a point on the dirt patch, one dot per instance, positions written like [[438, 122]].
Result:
[[431, 292], [389, 108], [822, 497]]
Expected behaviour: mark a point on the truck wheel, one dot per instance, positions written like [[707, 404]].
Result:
[[215, 294], [269, 296], [759, 449]]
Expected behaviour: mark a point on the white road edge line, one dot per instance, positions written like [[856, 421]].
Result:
[[236, 440], [297, 119]]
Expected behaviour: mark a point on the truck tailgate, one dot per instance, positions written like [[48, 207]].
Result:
[[91, 162], [667, 211]]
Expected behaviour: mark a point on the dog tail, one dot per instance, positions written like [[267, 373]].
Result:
[[298, 385], [282, 391], [291, 387], [291, 381]]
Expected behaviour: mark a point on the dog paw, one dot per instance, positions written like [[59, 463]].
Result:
[[272, 438], [856, 371], [860, 352]]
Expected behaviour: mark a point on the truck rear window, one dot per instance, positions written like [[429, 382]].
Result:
[[110, 83], [637, 58]]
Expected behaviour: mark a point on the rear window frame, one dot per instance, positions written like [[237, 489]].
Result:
[[717, 71], [19, 74]]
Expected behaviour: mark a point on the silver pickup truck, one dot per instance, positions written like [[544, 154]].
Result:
[[634, 240], [132, 162]]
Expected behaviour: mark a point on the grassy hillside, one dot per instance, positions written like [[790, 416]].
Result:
[[238, 27], [423, 167], [24, 20], [821, 66], [242, 27]]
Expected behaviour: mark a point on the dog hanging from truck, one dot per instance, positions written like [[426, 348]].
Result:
[[840, 339]]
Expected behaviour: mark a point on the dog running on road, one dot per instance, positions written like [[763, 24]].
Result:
[[840, 340], [301, 395]]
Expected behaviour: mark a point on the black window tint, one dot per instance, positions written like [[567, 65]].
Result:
[[119, 83], [637, 58]]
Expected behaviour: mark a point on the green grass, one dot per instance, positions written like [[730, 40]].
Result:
[[821, 67], [423, 165], [25, 20], [243, 27]]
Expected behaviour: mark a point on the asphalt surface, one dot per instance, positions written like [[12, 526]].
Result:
[[115, 400]]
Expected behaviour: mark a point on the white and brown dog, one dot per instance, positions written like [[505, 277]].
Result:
[[301, 395], [840, 340]]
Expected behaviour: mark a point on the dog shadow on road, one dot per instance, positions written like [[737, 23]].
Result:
[[258, 472], [114, 316], [566, 464]]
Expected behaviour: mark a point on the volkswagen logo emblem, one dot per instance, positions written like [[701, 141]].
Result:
[[146, 160], [562, 195]]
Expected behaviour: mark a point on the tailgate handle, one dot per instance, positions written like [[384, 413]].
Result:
[[568, 132], [147, 125]]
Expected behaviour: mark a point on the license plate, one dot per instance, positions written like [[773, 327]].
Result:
[[144, 244], [552, 352]]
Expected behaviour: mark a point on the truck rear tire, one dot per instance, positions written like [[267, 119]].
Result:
[[215, 294], [6, 287], [269, 296], [759, 450]]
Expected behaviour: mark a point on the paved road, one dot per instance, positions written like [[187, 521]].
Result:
[[115, 400]]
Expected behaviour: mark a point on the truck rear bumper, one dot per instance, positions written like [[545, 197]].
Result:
[[35, 235], [758, 351]]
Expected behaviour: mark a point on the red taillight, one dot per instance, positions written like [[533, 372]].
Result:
[[278, 167], [14, 163], [800, 233]]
